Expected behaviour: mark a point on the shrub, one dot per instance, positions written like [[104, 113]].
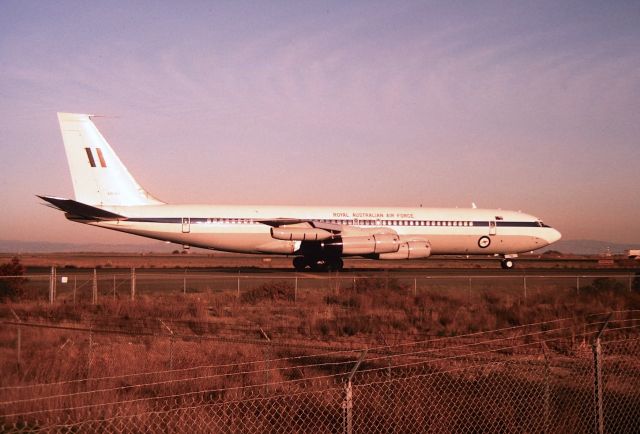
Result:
[[331, 299], [269, 291], [603, 284], [12, 287], [636, 282]]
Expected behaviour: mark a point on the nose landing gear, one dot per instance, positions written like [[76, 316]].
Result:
[[507, 264]]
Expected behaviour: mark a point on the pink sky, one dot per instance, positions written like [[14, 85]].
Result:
[[518, 105]]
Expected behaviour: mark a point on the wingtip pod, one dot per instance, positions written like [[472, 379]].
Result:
[[99, 177]]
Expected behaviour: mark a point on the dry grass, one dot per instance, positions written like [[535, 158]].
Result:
[[217, 328], [371, 312]]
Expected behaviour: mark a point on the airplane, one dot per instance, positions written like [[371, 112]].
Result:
[[318, 238]]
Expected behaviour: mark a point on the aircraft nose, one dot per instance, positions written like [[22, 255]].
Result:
[[553, 236]]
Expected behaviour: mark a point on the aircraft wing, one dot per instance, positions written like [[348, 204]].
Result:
[[333, 228], [310, 223]]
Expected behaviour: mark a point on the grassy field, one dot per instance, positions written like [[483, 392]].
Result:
[[205, 343], [338, 313]]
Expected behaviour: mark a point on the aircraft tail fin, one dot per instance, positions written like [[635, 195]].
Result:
[[98, 175]]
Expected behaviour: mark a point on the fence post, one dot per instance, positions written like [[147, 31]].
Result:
[[133, 283], [52, 285], [94, 288], [415, 286], [388, 351], [170, 344], [19, 341], [238, 289], [295, 290], [267, 354], [75, 287], [524, 281], [578, 285], [347, 404], [184, 282], [114, 287], [597, 380], [90, 353], [547, 388], [347, 409]]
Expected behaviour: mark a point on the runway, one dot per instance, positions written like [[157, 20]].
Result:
[[275, 267]]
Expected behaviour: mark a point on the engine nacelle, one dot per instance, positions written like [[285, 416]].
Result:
[[364, 245], [410, 250], [300, 234]]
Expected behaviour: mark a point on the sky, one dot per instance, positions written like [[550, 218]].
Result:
[[531, 106]]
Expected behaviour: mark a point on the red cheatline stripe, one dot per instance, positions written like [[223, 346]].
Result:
[[101, 157], [90, 155]]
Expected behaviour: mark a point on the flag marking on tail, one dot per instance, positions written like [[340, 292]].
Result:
[[101, 157], [92, 160]]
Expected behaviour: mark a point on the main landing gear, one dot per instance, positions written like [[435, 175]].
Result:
[[301, 263]]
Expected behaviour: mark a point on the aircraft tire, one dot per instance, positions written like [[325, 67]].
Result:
[[299, 263], [335, 264], [507, 264], [322, 266]]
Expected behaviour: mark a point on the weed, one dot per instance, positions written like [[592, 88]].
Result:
[[272, 291]]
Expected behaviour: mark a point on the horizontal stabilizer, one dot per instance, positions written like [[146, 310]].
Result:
[[79, 209]]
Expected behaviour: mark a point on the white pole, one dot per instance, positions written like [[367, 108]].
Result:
[[95, 287], [133, 284]]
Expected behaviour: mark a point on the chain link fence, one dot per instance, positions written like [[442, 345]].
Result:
[[555, 376], [78, 286]]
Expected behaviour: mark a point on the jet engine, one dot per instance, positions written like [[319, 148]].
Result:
[[363, 245], [410, 250]]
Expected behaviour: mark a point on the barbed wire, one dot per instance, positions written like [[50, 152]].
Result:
[[545, 398], [259, 385], [386, 348], [380, 348]]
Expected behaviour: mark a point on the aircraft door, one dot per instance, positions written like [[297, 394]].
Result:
[[186, 225], [492, 227]]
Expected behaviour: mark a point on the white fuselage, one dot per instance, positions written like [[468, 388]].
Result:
[[108, 196], [241, 228]]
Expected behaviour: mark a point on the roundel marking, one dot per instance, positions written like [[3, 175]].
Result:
[[484, 242]]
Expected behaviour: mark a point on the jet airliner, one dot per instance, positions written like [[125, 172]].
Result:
[[108, 196]]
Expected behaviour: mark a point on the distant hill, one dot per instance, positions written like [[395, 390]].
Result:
[[590, 247], [12, 246], [585, 247]]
